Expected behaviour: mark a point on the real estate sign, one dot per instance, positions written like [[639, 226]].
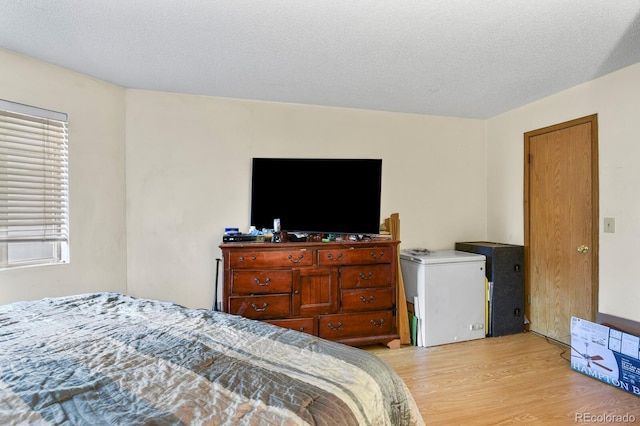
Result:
[[606, 354]]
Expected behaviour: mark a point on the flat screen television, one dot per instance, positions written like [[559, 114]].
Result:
[[317, 195]]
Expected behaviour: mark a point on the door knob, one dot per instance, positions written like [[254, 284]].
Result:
[[583, 249]]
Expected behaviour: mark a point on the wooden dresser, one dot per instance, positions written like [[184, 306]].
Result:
[[345, 292]]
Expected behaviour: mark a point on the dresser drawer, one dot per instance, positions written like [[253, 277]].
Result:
[[367, 299], [261, 307], [305, 325], [366, 276], [263, 281], [355, 256], [333, 327], [270, 259]]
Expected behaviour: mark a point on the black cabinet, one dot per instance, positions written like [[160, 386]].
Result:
[[504, 270]]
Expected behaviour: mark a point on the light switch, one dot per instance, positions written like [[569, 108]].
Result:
[[610, 224]]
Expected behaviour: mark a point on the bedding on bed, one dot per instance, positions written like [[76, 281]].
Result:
[[109, 358]]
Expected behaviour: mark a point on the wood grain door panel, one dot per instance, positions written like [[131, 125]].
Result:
[[315, 291], [561, 226]]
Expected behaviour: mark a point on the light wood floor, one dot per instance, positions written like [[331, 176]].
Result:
[[504, 380]]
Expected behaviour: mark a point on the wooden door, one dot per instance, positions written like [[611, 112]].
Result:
[[315, 291], [561, 226]]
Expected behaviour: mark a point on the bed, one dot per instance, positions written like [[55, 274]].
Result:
[[110, 358]]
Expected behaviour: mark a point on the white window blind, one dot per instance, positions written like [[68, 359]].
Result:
[[34, 182]]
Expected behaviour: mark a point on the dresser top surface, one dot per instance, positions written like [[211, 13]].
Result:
[[309, 245]]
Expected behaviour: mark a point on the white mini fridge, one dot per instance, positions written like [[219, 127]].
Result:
[[447, 289]]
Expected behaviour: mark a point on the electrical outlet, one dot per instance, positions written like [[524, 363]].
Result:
[[610, 224], [477, 326]]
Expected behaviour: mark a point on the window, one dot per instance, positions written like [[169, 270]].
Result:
[[34, 186]]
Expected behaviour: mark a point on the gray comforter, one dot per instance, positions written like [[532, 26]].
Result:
[[112, 359]]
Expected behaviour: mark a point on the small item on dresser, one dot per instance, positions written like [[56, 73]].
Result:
[[297, 237]]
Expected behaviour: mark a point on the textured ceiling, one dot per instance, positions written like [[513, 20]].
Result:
[[461, 58]]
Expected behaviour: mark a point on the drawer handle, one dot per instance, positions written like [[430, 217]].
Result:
[[296, 260], [264, 307], [266, 282], [242, 258], [366, 277], [375, 324], [334, 327], [376, 256], [301, 329], [367, 301], [330, 256]]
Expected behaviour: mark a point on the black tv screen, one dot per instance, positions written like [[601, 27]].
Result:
[[311, 195]]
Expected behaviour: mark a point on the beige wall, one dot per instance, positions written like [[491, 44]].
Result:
[[188, 170], [188, 177], [616, 100], [97, 181]]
